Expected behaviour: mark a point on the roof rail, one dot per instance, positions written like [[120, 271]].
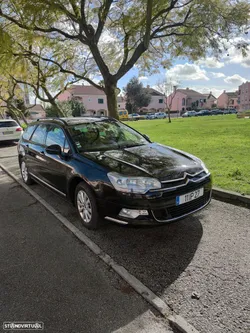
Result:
[[53, 118]]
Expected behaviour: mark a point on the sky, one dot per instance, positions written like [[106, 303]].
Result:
[[205, 75]]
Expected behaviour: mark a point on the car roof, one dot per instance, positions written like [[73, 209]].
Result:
[[5, 120], [68, 121]]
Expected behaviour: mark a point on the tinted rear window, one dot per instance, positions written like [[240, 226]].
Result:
[[10, 123], [28, 132]]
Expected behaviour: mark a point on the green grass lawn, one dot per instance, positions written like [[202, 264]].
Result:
[[222, 142]]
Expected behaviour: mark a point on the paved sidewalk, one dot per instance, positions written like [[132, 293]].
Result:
[[48, 275]]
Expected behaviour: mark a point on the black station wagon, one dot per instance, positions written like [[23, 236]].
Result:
[[109, 170]]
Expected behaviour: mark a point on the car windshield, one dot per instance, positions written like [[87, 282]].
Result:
[[105, 135]]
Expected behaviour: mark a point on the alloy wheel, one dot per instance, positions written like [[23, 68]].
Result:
[[84, 206], [24, 171]]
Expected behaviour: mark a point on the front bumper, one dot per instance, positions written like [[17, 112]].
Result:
[[161, 206]]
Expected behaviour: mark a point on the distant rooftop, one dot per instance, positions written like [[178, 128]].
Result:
[[232, 94], [190, 92], [37, 107], [78, 89], [153, 92]]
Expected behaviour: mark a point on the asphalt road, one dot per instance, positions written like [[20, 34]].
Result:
[[48, 276], [200, 266]]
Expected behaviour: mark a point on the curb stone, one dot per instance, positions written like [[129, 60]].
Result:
[[181, 324], [175, 320], [231, 197]]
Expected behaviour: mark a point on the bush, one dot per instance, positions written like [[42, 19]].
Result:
[[68, 108]]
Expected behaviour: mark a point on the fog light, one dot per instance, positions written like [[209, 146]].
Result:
[[132, 213]]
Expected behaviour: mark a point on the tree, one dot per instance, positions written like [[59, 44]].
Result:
[[11, 100], [112, 36], [64, 107], [27, 62], [168, 88], [77, 108], [67, 109], [136, 95]]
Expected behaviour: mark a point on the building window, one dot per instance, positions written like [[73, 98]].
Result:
[[183, 101], [118, 105], [100, 101], [161, 100]]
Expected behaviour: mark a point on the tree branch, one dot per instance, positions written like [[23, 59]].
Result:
[[166, 10], [36, 28], [173, 25], [102, 15], [146, 37]]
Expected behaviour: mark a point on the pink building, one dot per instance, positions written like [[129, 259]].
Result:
[[228, 100], [94, 100], [244, 96], [121, 103], [36, 112], [211, 101], [187, 99], [157, 101]]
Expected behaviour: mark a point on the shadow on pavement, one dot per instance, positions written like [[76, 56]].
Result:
[[46, 275], [155, 255], [6, 144]]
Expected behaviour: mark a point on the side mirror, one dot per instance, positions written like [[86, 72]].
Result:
[[54, 150]]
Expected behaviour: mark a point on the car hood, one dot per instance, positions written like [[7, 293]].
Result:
[[154, 160]]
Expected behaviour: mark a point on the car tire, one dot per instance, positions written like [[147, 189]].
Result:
[[25, 173], [85, 203]]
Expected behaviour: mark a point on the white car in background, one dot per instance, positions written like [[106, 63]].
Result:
[[10, 130], [160, 115]]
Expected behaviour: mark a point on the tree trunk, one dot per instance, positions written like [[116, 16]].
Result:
[[111, 93], [169, 117]]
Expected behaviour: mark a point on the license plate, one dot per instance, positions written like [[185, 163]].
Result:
[[6, 133], [189, 196]]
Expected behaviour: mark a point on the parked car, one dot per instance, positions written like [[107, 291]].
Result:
[[233, 111], [134, 116], [10, 130], [107, 169], [226, 112], [150, 116], [204, 113], [189, 114], [216, 112], [160, 115]]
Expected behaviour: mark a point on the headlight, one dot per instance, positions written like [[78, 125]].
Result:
[[204, 166], [133, 184]]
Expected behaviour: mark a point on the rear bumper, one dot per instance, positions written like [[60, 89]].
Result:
[[161, 209], [14, 137]]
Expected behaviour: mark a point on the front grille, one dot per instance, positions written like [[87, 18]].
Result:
[[184, 181], [174, 212]]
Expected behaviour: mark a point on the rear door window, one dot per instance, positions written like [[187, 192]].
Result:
[[10, 123], [39, 135], [28, 132]]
